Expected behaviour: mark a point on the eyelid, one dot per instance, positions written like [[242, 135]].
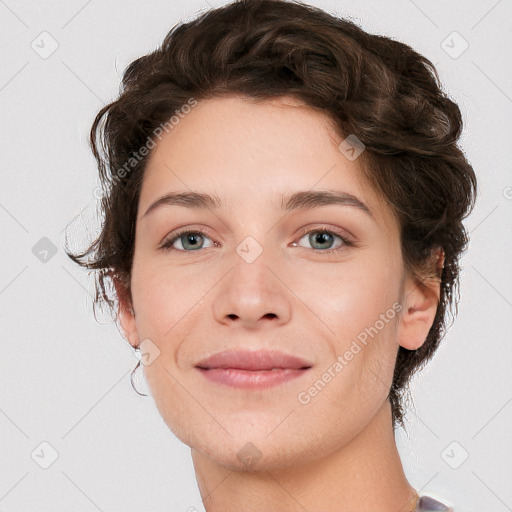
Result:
[[170, 239], [342, 233], [347, 239]]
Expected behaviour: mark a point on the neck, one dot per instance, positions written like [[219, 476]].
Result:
[[365, 475]]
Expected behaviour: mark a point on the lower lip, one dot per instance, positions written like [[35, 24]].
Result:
[[251, 379]]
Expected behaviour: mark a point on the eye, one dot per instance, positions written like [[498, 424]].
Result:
[[322, 240], [190, 240]]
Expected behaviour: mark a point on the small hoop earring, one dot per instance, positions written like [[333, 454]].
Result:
[[131, 380]]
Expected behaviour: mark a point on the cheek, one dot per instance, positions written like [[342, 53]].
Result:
[[345, 298], [165, 298], [164, 305], [177, 407]]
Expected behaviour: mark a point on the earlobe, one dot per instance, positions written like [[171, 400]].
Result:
[[125, 313]]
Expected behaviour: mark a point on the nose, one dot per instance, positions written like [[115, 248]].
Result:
[[252, 296]]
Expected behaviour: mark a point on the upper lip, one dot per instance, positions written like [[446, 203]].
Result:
[[253, 360]]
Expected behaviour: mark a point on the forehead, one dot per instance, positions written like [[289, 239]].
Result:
[[253, 153]]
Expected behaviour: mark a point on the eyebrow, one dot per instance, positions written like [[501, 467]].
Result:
[[298, 200]]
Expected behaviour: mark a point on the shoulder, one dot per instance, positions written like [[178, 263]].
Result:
[[429, 504]]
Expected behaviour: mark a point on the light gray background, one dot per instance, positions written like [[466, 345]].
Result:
[[65, 379]]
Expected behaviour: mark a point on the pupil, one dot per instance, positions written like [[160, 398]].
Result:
[[191, 237], [323, 237]]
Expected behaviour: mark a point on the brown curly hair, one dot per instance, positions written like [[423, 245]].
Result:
[[378, 89]]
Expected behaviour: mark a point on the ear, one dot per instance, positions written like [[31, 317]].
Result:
[[420, 301], [125, 312]]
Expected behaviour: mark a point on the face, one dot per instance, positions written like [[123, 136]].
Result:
[[267, 279]]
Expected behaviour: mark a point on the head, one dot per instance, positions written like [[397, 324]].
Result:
[[250, 104]]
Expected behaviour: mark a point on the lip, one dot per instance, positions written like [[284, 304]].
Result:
[[252, 369]]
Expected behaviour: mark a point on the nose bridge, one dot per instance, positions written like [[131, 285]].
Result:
[[252, 292]]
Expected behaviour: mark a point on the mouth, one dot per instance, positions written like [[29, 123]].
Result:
[[252, 369]]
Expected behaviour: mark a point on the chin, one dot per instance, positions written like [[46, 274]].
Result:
[[258, 452], [251, 457]]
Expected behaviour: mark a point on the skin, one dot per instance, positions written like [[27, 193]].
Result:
[[338, 451]]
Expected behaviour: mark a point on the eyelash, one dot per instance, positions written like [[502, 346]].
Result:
[[167, 246]]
